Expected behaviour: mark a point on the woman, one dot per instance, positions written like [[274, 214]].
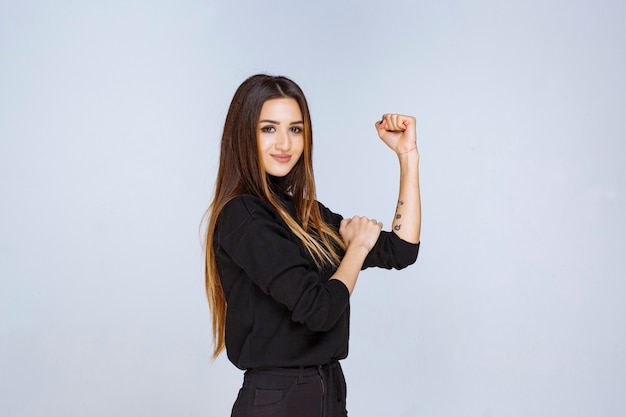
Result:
[[280, 267]]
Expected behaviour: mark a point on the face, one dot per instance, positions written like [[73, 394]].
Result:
[[280, 135]]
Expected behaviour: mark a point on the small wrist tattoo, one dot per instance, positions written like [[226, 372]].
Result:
[[398, 216], [397, 227]]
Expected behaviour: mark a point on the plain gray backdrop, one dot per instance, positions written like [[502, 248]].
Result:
[[110, 120]]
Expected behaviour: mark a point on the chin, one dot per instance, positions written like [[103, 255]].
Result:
[[278, 172]]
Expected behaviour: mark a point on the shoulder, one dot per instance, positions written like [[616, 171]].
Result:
[[246, 207], [245, 204], [244, 215]]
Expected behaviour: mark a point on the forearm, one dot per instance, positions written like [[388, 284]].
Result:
[[407, 219], [350, 266]]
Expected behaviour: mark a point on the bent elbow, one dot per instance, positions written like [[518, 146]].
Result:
[[319, 321], [320, 326], [407, 259], [320, 312]]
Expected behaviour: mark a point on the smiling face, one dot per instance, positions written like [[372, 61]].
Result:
[[280, 136]]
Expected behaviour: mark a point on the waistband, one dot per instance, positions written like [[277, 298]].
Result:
[[295, 370], [330, 370]]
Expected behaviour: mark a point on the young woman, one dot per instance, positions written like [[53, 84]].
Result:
[[280, 266]]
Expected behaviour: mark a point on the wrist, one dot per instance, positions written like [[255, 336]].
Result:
[[414, 148], [357, 250], [411, 155]]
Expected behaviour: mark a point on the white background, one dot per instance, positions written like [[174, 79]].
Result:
[[110, 119]]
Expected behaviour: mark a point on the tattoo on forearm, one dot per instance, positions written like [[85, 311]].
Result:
[[397, 227], [398, 216]]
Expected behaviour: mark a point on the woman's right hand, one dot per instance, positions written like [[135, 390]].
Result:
[[360, 232]]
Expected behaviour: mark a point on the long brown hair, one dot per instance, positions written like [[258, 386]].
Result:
[[240, 172]]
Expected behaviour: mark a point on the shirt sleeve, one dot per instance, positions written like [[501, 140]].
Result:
[[389, 251], [259, 242]]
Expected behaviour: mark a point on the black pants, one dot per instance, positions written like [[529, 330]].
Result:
[[318, 391]]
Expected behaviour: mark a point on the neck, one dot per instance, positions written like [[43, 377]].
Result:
[[277, 184]]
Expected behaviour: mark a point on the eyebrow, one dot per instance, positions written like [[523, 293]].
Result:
[[299, 122]]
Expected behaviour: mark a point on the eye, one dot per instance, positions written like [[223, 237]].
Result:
[[268, 129], [296, 129]]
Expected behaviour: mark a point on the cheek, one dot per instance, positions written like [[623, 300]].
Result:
[[261, 142], [300, 146], [260, 150]]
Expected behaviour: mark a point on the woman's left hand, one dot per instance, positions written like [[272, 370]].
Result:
[[398, 132]]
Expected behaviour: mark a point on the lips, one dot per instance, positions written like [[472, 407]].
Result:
[[282, 158]]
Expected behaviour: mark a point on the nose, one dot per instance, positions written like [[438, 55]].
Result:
[[283, 141]]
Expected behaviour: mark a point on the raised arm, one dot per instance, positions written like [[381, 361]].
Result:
[[399, 133]]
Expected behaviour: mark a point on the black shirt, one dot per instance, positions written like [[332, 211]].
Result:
[[281, 309]]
